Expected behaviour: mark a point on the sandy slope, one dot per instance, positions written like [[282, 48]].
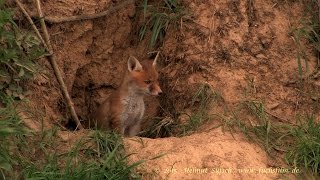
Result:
[[206, 155]]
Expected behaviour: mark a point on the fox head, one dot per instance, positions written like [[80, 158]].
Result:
[[143, 77]]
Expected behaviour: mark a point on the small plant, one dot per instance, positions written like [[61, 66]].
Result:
[[158, 19], [10, 126], [309, 29], [110, 147], [201, 100], [18, 53], [305, 151], [271, 134]]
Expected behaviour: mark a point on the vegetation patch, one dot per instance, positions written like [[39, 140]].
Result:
[[157, 19], [18, 54], [11, 127], [98, 156], [188, 121], [305, 149], [298, 141]]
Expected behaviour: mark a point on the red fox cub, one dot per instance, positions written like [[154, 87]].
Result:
[[124, 109]]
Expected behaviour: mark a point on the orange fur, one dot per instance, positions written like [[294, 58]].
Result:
[[124, 109]]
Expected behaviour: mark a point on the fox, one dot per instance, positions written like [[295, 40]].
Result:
[[124, 109]]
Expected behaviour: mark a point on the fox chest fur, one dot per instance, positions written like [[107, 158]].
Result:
[[132, 110]]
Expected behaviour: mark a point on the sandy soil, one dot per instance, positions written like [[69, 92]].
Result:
[[222, 43], [207, 155]]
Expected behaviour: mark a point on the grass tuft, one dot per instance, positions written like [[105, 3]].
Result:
[[10, 126], [100, 156], [305, 150], [200, 102], [309, 30], [157, 19], [300, 142]]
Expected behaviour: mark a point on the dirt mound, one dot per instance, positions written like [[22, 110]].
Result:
[[207, 155], [226, 44]]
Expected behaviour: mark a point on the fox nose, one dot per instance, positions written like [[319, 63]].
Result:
[[157, 93], [155, 90]]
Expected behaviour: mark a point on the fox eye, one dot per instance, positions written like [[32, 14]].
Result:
[[147, 81]]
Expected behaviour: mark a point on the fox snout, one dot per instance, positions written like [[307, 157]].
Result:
[[155, 90]]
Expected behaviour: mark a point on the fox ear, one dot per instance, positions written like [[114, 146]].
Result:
[[134, 64], [154, 64]]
